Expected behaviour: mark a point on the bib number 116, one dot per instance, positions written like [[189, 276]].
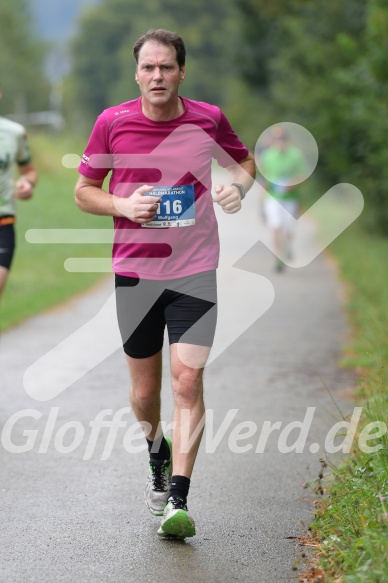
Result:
[[176, 207]]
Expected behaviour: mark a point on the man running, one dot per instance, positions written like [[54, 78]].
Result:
[[14, 149], [284, 168], [159, 148]]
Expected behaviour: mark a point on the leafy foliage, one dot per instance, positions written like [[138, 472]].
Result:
[[103, 66], [325, 67], [21, 59]]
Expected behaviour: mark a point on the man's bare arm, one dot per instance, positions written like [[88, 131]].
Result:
[[229, 197], [244, 173], [24, 187], [91, 198]]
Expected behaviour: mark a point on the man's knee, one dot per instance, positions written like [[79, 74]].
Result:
[[187, 386], [144, 396]]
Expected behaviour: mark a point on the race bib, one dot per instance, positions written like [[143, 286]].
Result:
[[177, 208]]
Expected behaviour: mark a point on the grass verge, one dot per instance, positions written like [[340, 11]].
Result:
[[351, 520], [38, 279]]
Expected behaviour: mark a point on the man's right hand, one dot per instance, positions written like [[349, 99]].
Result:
[[138, 207]]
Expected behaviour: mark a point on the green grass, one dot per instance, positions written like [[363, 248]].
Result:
[[363, 263], [38, 279], [351, 521]]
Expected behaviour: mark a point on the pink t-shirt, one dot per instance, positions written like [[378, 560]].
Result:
[[137, 151]]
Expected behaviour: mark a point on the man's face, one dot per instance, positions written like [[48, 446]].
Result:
[[158, 73], [280, 141]]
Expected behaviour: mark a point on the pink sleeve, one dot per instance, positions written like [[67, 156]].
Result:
[[98, 144], [232, 149]]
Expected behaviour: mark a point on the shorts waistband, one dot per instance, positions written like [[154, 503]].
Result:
[[8, 220]]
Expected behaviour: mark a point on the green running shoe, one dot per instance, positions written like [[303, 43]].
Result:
[[176, 522], [158, 484]]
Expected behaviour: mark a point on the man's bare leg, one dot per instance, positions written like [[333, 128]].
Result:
[[278, 238], [144, 395], [145, 389], [187, 363], [3, 278], [189, 408]]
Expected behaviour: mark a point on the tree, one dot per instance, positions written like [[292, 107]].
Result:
[[325, 66], [103, 67], [21, 59]]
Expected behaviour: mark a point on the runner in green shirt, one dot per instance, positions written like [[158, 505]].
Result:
[[14, 150], [284, 168]]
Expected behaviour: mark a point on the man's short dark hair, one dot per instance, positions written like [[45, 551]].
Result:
[[164, 37]]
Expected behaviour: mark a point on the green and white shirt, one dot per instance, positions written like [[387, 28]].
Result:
[[280, 167], [14, 149]]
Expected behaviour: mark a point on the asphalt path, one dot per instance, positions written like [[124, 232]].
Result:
[[68, 515]]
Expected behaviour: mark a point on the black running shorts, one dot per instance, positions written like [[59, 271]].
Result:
[[7, 242], [187, 306]]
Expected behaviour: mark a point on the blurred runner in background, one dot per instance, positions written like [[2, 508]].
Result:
[[284, 168], [14, 151]]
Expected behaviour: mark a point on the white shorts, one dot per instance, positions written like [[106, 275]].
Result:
[[280, 213]]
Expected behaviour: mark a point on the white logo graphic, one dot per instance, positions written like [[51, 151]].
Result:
[[97, 339]]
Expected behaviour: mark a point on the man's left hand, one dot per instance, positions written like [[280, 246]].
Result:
[[24, 189], [228, 197]]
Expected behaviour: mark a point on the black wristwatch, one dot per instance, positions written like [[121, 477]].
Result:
[[240, 188]]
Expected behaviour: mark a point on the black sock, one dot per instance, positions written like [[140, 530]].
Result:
[[160, 449], [180, 487]]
